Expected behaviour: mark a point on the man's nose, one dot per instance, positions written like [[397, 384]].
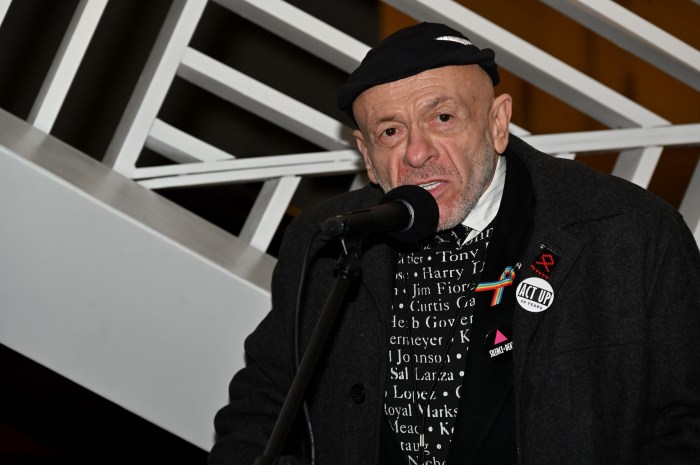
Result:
[[419, 148]]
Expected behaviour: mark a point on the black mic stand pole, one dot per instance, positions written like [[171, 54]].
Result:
[[346, 271]]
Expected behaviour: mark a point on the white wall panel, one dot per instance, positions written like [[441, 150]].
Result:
[[119, 290]]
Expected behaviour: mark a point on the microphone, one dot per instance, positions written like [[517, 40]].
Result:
[[407, 214]]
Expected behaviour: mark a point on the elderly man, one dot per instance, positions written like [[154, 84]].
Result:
[[552, 319]]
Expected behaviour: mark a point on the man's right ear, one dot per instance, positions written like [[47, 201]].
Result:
[[360, 141]]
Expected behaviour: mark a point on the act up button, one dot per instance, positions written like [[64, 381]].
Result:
[[534, 295]]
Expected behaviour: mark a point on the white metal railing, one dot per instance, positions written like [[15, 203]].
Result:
[[636, 35], [4, 6], [261, 100], [153, 85], [301, 29], [639, 134], [65, 64], [250, 169]]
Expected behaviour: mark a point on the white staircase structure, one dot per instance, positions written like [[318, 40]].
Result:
[[126, 293]]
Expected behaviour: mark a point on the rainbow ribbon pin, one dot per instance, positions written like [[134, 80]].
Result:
[[506, 279]]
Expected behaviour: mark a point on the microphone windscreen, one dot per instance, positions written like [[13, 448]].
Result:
[[425, 213]]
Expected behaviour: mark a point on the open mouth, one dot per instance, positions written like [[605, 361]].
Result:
[[430, 185]]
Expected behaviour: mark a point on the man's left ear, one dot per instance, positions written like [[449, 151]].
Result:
[[501, 111]]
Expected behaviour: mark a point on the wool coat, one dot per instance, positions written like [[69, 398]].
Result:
[[608, 373]]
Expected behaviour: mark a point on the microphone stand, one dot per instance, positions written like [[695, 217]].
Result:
[[346, 271]]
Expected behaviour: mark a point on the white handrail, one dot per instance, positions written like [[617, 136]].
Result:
[[636, 35]]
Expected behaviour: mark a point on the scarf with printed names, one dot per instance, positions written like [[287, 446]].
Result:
[[449, 298]]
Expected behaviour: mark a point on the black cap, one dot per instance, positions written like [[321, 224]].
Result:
[[410, 51]]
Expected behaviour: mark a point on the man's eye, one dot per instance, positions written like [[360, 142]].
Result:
[[444, 118], [390, 132]]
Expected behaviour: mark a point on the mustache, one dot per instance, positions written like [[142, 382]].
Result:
[[427, 173]]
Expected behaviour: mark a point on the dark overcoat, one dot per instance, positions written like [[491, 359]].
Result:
[[608, 374]]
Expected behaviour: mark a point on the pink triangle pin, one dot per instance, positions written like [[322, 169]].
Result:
[[499, 338]]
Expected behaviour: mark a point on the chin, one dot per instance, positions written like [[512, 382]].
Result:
[[453, 216], [449, 223]]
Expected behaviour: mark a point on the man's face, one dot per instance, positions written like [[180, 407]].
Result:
[[435, 130]]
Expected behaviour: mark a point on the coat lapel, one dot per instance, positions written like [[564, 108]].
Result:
[[558, 207], [489, 380]]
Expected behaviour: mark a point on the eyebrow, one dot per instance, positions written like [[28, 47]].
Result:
[[436, 102], [385, 119], [429, 105]]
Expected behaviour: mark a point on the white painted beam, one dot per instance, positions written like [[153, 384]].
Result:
[[614, 140], [636, 35], [151, 88], [180, 147], [268, 210], [638, 165], [302, 29], [65, 64], [130, 295], [4, 6], [262, 100], [218, 177], [290, 162], [517, 130]]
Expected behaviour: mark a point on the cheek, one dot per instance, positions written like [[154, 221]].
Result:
[[371, 174], [370, 165], [380, 169], [463, 158], [393, 173]]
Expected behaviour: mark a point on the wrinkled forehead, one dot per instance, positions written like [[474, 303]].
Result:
[[466, 85]]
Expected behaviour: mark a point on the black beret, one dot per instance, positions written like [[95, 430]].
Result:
[[410, 51]]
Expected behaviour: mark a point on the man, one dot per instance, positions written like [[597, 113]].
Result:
[[553, 318]]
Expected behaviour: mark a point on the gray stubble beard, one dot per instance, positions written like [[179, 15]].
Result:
[[478, 183]]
